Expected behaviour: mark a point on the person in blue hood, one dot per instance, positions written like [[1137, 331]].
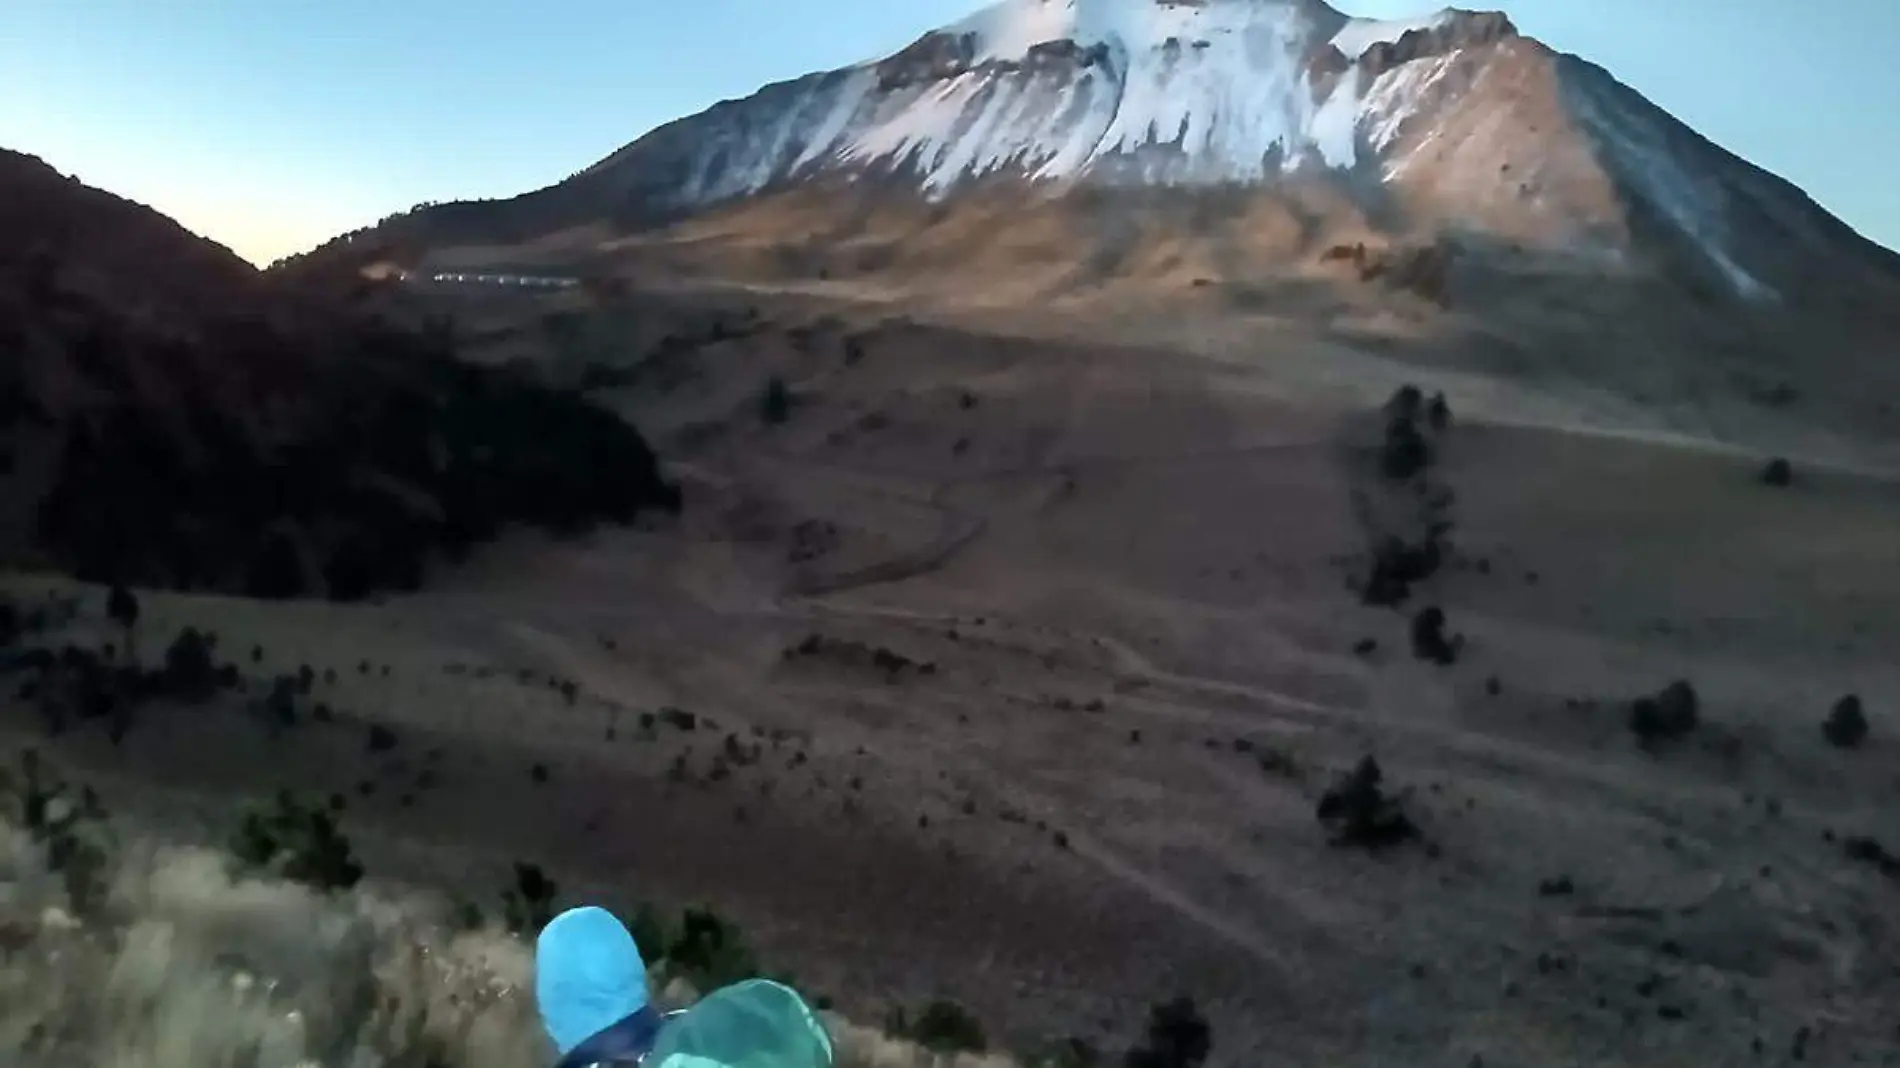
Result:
[[590, 984]]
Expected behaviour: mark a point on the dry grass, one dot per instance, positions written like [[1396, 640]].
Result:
[[187, 966]]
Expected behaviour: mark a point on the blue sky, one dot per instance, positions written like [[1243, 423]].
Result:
[[271, 125]]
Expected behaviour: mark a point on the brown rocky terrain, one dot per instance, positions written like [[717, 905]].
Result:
[[1052, 556], [1014, 668]]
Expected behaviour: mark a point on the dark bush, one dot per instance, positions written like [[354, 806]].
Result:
[[1396, 565], [122, 607], [1777, 472], [465, 915], [1429, 641], [281, 702], [528, 905], [67, 825], [1358, 812], [775, 402], [1405, 403], [1559, 886], [190, 674], [1846, 725], [296, 841], [1405, 451], [1071, 1053], [709, 951], [1668, 715], [1869, 851], [381, 739], [941, 1026], [650, 931], [1438, 413], [1178, 1037]]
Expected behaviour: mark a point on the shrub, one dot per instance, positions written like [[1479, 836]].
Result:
[[189, 673], [1438, 413], [775, 402], [281, 702], [1070, 1053], [122, 607], [528, 905], [380, 739], [1428, 638], [941, 1026], [296, 841], [650, 932], [1358, 812], [1668, 715], [1777, 472], [67, 825], [1846, 725], [1405, 451], [1557, 886], [465, 915], [1404, 404], [1178, 1037], [1396, 565], [709, 951], [1869, 851]]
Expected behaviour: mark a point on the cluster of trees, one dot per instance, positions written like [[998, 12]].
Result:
[[1407, 450], [395, 451]]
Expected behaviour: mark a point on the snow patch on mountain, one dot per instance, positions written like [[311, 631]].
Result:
[[1158, 91], [1361, 34], [1009, 30]]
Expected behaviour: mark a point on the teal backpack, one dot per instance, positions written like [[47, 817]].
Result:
[[754, 1024]]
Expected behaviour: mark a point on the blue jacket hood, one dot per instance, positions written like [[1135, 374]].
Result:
[[589, 976]]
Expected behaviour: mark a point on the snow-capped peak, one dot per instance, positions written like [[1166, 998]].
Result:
[[1176, 91], [1358, 35], [1009, 30], [1445, 121]]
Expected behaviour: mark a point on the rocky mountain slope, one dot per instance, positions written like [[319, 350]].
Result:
[[1452, 124]]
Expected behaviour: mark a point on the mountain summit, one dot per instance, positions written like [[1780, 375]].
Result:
[[1147, 91], [1448, 124]]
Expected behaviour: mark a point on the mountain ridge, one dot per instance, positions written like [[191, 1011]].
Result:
[[1451, 125], [171, 416]]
